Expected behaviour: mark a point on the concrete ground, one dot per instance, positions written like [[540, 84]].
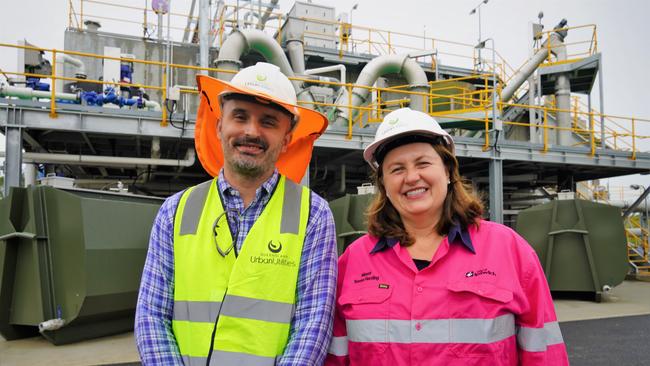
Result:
[[584, 336]]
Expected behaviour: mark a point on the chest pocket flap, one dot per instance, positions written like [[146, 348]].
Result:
[[483, 289], [365, 295]]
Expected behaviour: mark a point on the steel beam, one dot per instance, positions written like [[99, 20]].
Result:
[[496, 190]]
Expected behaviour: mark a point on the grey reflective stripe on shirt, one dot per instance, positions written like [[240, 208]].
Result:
[[196, 311], [194, 207], [222, 358], [339, 346], [537, 339], [265, 310], [291, 207], [478, 331]]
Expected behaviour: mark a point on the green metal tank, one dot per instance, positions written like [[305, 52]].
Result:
[[350, 218], [72, 259], [453, 95], [581, 244]]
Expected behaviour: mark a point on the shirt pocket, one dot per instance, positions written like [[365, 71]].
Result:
[[366, 302], [481, 322], [366, 311]]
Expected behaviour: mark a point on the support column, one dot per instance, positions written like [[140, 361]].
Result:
[[496, 189]]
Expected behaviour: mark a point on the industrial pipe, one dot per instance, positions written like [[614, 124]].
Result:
[[382, 65], [204, 34], [320, 70], [296, 55], [117, 161], [243, 41], [557, 47], [28, 93]]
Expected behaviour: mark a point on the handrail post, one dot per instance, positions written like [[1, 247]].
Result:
[[163, 122], [633, 157], [575, 112], [53, 87], [545, 149], [592, 139], [349, 135], [487, 131]]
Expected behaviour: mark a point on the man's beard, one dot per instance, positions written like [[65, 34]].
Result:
[[249, 167]]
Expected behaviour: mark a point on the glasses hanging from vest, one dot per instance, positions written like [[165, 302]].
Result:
[[224, 250]]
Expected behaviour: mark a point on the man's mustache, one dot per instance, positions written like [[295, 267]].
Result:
[[255, 141]]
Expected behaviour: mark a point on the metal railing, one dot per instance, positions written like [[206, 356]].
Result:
[[576, 50], [453, 98]]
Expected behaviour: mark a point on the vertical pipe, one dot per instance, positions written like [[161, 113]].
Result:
[[633, 140], [532, 120], [29, 175], [160, 26], [563, 105], [204, 33], [54, 80], [498, 125], [602, 106]]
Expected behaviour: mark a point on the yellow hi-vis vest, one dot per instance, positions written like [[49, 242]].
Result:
[[253, 294]]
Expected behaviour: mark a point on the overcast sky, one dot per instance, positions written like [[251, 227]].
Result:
[[622, 26]]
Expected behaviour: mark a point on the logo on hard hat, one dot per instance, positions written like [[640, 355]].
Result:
[[260, 77], [274, 247], [392, 121]]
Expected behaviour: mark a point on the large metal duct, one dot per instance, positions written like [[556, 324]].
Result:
[[555, 43], [243, 41], [296, 55], [379, 66]]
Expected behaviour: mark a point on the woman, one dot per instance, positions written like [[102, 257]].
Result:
[[431, 283]]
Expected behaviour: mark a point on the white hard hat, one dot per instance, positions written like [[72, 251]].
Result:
[[269, 82], [404, 122]]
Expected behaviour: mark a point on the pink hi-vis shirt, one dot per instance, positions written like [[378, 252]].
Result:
[[483, 300]]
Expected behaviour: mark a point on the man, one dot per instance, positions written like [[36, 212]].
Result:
[[241, 270]]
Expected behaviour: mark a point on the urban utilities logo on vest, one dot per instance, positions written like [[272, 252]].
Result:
[[274, 256]]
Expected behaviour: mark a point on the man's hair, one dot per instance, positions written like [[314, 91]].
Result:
[[461, 205], [252, 99]]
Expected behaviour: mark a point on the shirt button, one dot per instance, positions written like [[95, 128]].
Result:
[[418, 326], [419, 289]]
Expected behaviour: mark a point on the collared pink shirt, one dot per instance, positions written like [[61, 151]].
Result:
[[483, 300]]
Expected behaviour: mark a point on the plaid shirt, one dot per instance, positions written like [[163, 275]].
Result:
[[311, 326]]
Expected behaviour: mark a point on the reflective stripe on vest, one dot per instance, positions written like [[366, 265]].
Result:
[[476, 331], [220, 358], [235, 306], [256, 312]]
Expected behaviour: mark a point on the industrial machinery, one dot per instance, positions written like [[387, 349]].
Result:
[[581, 244], [70, 261]]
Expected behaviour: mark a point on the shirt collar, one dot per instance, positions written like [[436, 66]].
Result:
[[266, 188], [456, 235]]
